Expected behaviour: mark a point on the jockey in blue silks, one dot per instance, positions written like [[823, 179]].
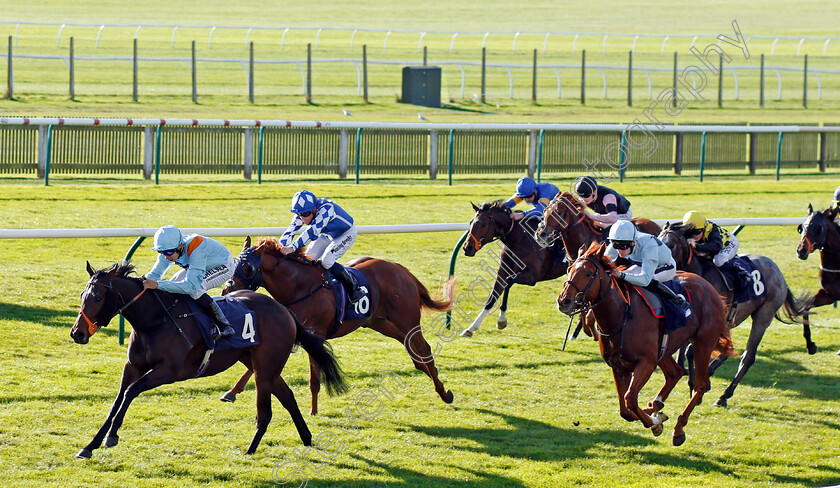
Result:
[[206, 264], [331, 229], [651, 261], [537, 194]]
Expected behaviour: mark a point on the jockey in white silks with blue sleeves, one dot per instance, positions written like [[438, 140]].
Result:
[[651, 261], [537, 194], [206, 264], [331, 229]]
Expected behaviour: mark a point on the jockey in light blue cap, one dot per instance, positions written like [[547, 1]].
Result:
[[332, 230], [537, 194], [206, 264]]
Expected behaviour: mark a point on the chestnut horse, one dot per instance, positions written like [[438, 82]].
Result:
[[630, 336], [819, 232], [777, 299], [397, 299], [522, 260], [166, 346]]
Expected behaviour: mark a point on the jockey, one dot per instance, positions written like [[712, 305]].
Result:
[[206, 264], [652, 261], [333, 233], [835, 204], [608, 205], [537, 194], [714, 242]]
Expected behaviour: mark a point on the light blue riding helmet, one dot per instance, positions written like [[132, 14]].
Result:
[[623, 230], [303, 201], [166, 238], [525, 186]]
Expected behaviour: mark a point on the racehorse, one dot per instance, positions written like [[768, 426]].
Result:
[[777, 299], [522, 260], [630, 336], [166, 346], [820, 232], [397, 298]]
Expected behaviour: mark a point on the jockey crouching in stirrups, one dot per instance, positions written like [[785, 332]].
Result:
[[537, 194], [607, 205], [332, 230]]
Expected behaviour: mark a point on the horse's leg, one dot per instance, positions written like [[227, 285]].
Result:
[[702, 385], [265, 385], [238, 388], [641, 375], [314, 385], [821, 298], [761, 320], [287, 399], [129, 376], [692, 373], [499, 287], [622, 383], [502, 322], [420, 353], [673, 372]]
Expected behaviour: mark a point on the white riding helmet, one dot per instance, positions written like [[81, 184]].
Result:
[[166, 238], [623, 230]]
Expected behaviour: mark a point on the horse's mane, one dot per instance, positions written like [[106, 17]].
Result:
[[271, 246], [121, 269], [494, 205], [593, 249]]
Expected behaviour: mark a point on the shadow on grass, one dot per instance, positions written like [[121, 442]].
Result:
[[39, 315]]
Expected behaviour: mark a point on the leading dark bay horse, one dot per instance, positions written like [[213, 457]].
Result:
[[819, 232], [397, 299], [776, 300], [630, 336], [521, 260], [166, 346]]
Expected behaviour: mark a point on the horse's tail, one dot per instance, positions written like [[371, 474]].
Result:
[[793, 308], [443, 305], [725, 347], [321, 352]]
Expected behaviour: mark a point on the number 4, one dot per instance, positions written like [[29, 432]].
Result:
[[248, 331]]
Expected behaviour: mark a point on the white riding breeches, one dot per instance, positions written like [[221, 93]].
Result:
[[728, 252], [217, 276], [328, 250]]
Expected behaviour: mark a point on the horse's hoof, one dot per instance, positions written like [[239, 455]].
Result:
[[501, 325], [448, 397], [111, 441], [228, 397], [84, 454], [812, 349], [658, 405], [678, 440], [657, 429], [467, 333], [663, 416], [721, 402]]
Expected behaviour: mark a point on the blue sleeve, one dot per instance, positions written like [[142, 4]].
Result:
[[325, 214], [512, 202], [289, 234], [650, 259], [159, 269]]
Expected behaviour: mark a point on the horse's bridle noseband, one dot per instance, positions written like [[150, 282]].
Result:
[[479, 243]]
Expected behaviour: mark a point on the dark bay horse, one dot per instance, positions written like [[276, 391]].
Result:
[[777, 299], [166, 346], [630, 336], [819, 232], [521, 260], [397, 299]]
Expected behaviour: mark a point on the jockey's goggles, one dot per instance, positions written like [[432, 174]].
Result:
[[169, 252], [621, 245], [307, 213]]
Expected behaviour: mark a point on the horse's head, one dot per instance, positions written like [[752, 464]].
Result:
[[562, 213], [586, 277], [491, 221], [247, 274], [100, 301], [673, 237], [813, 231]]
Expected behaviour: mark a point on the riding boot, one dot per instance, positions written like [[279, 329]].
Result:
[[211, 308], [349, 282], [743, 274], [677, 300]]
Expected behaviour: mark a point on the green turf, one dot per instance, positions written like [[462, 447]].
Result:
[[525, 412]]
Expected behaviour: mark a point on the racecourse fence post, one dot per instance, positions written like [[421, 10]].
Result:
[[309, 73], [425, 55], [248, 163], [358, 152], [364, 72], [128, 256], [720, 84], [72, 71], [49, 153], [804, 83], [823, 152], [534, 80], [10, 74], [260, 140], [532, 153], [753, 151], [630, 79], [583, 77], [678, 153], [779, 155], [451, 153], [194, 77], [134, 83], [148, 151], [251, 72], [761, 83], [483, 74], [433, 154], [343, 152], [702, 155], [157, 152], [540, 154]]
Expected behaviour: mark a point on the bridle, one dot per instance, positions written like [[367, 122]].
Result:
[[479, 243], [94, 326], [250, 282], [581, 305], [543, 225]]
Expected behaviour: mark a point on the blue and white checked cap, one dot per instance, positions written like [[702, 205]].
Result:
[[303, 201]]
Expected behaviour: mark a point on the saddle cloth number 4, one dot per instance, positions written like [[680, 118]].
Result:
[[248, 331]]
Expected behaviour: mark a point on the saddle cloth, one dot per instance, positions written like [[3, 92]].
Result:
[[674, 317], [345, 310], [744, 292], [241, 318]]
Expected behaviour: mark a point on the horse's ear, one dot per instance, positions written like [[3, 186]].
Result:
[[601, 249], [89, 268], [810, 209], [582, 250], [247, 243], [474, 206], [667, 225]]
